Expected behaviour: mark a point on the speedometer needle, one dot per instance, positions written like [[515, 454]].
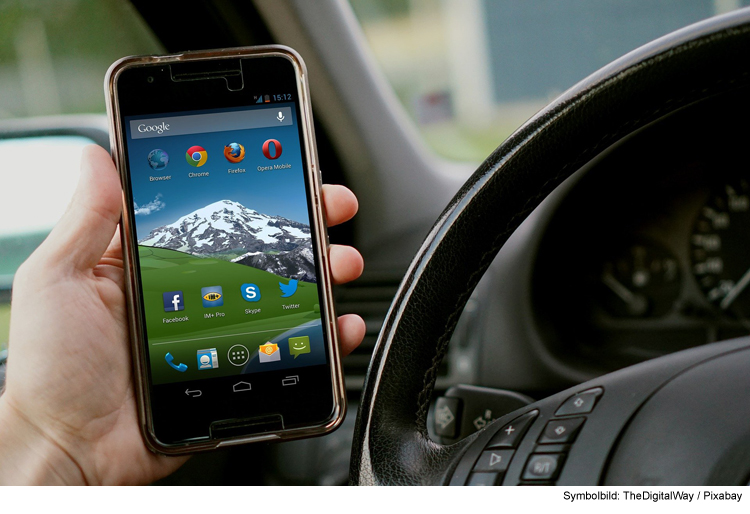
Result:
[[637, 303], [735, 291]]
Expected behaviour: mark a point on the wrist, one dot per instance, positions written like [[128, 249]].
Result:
[[29, 456]]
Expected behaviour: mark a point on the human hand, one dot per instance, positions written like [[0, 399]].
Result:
[[68, 414]]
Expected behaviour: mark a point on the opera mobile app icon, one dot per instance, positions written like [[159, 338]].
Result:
[[196, 156], [234, 152], [272, 149]]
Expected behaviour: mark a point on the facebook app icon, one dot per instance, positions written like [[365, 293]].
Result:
[[173, 301]]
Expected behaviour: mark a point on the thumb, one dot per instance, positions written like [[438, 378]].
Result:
[[84, 232]]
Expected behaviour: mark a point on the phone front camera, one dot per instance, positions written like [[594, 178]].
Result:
[[150, 80]]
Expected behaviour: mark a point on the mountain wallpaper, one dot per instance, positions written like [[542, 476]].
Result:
[[230, 231]]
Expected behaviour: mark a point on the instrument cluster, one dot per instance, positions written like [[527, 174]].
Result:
[[649, 251]]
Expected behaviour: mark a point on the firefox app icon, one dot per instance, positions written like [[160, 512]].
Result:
[[234, 152], [196, 156]]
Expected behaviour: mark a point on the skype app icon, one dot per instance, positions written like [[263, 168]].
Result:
[[250, 292]]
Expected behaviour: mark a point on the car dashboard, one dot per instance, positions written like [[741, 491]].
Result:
[[646, 253]]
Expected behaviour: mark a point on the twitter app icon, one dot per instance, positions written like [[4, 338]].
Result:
[[289, 289]]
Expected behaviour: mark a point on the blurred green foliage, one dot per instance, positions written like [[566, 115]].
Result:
[[83, 37], [369, 10]]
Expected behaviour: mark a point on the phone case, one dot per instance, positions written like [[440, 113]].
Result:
[[129, 249]]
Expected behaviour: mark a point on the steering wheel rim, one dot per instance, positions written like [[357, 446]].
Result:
[[391, 444]]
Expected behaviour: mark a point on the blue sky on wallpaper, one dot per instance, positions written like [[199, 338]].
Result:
[[274, 192]]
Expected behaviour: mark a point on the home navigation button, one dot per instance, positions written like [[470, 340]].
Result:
[[241, 387]]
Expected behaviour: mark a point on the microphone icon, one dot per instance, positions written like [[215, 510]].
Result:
[[280, 117]]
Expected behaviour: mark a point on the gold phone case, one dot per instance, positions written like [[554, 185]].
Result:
[[130, 247]]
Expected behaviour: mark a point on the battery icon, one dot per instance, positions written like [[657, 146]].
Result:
[[267, 98]]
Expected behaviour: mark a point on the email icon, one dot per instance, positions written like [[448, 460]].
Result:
[[269, 352]]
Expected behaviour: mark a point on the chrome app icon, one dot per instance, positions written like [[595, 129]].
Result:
[[196, 156]]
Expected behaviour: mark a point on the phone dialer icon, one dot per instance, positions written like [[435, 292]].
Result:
[[181, 367]]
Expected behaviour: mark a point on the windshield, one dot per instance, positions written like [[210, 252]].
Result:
[[469, 72]]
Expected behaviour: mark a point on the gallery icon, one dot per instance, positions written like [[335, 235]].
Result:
[[234, 152], [173, 301], [289, 289], [212, 296], [269, 352], [250, 292], [196, 156], [158, 159], [208, 359], [299, 345], [238, 355], [272, 149]]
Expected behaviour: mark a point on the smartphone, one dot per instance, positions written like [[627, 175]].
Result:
[[233, 328]]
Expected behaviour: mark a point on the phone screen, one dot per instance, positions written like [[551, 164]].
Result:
[[226, 257]]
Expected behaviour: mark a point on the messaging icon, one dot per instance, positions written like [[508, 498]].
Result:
[[269, 352], [299, 345]]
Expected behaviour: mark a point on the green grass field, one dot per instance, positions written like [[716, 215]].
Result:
[[236, 322]]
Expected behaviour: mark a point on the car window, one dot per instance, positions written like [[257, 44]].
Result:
[[53, 55], [469, 72], [53, 58]]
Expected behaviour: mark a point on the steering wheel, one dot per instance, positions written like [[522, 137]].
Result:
[[680, 419]]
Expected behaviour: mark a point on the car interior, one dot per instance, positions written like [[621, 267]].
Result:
[[554, 211]]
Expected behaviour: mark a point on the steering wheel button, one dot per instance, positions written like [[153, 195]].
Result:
[[543, 466], [581, 403], [484, 479], [494, 460], [510, 435], [561, 431], [447, 414]]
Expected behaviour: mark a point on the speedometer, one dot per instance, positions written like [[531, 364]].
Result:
[[720, 246]]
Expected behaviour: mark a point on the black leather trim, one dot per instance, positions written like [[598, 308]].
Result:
[[391, 443]]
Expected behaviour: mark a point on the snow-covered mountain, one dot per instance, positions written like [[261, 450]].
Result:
[[227, 229], [297, 263]]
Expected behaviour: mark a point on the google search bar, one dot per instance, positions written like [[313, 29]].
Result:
[[217, 122]]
